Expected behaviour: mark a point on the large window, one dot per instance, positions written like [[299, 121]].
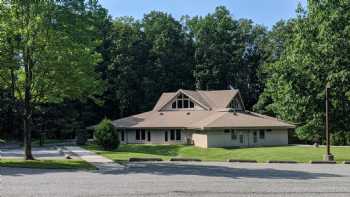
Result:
[[233, 135], [262, 134], [241, 138], [166, 135], [122, 135], [178, 134], [255, 137], [172, 134], [149, 135], [182, 102], [140, 134], [143, 134]]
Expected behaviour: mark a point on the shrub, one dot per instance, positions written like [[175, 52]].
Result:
[[106, 135]]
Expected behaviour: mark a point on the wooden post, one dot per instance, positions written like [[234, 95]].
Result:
[[328, 156]]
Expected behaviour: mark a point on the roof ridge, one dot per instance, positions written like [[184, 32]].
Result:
[[206, 98], [216, 115]]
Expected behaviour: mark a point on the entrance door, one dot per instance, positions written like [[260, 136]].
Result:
[[243, 138]]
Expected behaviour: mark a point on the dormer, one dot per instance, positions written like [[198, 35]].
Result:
[[187, 100], [184, 102], [236, 104]]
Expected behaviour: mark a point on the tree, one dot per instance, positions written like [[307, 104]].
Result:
[[317, 53], [126, 71], [278, 39], [170, 60], [228, 52], [55, 53]]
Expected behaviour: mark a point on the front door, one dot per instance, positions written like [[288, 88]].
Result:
[[243, 138]]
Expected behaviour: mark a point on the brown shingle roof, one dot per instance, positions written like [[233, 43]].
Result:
[[217, 114], [240, 120], [163, 100], [218, 98], [199, 120], [207, 99]]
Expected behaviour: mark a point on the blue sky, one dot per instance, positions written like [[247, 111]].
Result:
[[265, 12]]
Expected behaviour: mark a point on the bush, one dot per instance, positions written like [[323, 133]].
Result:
[[106, 135]]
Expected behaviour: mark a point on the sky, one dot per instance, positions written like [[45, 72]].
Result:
[[265, 12]]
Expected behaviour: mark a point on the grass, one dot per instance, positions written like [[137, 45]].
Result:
[[261, 154], [47, 164]]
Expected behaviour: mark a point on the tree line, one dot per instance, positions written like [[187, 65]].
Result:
[[65, 65]]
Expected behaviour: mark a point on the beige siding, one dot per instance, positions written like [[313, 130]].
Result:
[[221, 139], [277, 137], [200, 139], [213, 138]]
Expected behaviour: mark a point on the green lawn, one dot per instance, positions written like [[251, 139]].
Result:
[[47, 164], [261, 154]]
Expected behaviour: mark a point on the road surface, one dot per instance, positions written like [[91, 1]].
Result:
[[181, 179]]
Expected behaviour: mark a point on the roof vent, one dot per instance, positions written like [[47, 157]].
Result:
[[188, 113], [161, 113]]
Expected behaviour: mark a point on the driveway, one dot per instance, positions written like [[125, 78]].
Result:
[[182, 179]]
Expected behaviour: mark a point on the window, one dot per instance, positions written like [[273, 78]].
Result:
[[185, 103], [149, 136], [122, 137], [236, 105], [166, 136], [182, 102], [172, 134], [227, 131], [255, 137], [178, 134], [241, 139], [262, 134], [233, 135], [138, 134], [191, 104], [179, 104], [143, 134]]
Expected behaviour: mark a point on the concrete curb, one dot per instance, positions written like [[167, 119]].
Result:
[[323, 162], [137, 159], [242, 161], [185, 159], [282, 161]]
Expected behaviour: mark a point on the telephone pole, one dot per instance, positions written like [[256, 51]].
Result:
[[328, 156]]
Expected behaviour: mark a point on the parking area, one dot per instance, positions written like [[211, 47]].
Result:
[[39, 153], [182, 179]]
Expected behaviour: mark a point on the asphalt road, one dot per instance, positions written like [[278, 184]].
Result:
[[182, 179]]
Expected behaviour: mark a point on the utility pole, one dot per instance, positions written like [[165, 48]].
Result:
[[328, 156]]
